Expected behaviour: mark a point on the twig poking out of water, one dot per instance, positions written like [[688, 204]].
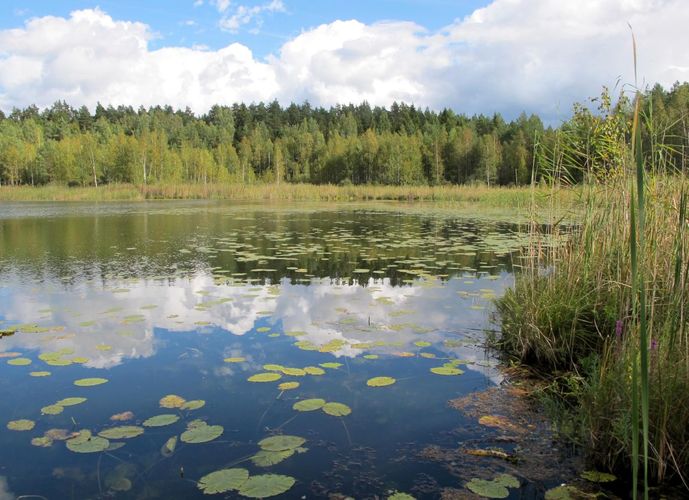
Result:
[[349, 439]]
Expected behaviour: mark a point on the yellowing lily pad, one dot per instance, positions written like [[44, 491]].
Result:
[[265, 377], [380, 381], [194, 404], [293, 372], [281, 443], [314, 370], [21, 425], [446, 370], [422, 343], [122, 432], [172, 401], [286, 386], [331, 365], [19, 362], [169, 447], [161, 420], [222, 481], [309, 404], [89, 382], [337, 409], [266, 485], [237, 359], [42, 442], [71, 401], [263, 329], [52, 410], [40, 374]]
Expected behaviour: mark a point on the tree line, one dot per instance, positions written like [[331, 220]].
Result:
[[356, 144]]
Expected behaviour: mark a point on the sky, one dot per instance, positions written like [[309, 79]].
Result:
[[475, 56]]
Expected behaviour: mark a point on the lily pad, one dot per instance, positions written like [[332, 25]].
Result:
[[286, 386], [309, 404], [169, 447], [401, 496], [598, 477], [194, 404], [52, 410], [337, 409], [201, 433], [265, 377], [223, 480], [42, 442], [265, 458], [266, 485], [281, 443], [19, 361], [294, 372], [487, 489], [161, 420], [314, 370], [71, 401], [237, 359], [123, 432], [507, 480], [86, 443], [89, 382], [172, 401], [21, 425], [446, 370], [380, 381], [422, 343], [566, 492], [40, 374], [331, 365]]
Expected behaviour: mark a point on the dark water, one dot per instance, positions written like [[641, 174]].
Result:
[[154, 297]]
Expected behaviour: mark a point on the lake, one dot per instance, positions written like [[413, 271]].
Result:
[[312, 350]]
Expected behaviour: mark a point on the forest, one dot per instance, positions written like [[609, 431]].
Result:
[[346, 144]]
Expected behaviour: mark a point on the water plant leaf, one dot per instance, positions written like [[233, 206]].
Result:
[[236, 359], [265, 377], [598, 477], [422, 343], [286, 386], [19, 361], [122, 432], [266, 485], [161, 420], [281, 443], [309, 404], [446, 370], [294, 372], [380, 381], [263, 329], [331, 365], [52, 410], [487, 489], [507, 480], [172, 401], [566, 492], [89, 382], [265, 458], [42, 442], [314, 370], [169, 447], [86, 443], [71, 401], [271, 367], [21, 425], [194, 404], [201, 433], [337, 409], [401, 496], [223, 480], [122, 417], [40, 374], [118, 483]]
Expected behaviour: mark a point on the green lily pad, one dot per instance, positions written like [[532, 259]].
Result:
[[122, 432], [598, 477], [286, 386], [294, 372], [223, 480], [169, 447], [21, 425], [194, 404], [40, 374], [266, 485], [446, 370], [337, 409], [333, 366], [380, 381], [507, 480], [79, 360], [265, 458], [201, 433], [401, 496], [487, 489], [309, 404], [566, 492], [314, 370], [52, 410], [263, 329], [89, 382], [19, 362], [42, 442], [87, 443], [281, 443], [422, 343], [237, 359], [265, 377], [71, 401], [161, 420]]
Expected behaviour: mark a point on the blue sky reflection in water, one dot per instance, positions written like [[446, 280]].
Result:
[[155, 299]]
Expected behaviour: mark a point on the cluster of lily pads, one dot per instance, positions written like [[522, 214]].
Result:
[[330, 408]]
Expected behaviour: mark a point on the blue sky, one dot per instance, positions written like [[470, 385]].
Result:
[[182, 23], [474, 56]]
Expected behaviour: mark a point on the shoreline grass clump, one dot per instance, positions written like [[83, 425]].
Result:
[[605, 318]]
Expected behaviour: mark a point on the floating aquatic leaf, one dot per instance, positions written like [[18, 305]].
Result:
[[223, 480], [337, 409], [487, 489], [371, 356], [40, 374], [314, 370], [60, 434], [401, 496], [114, 446], [273, 367], [194, 404], [201, 433], [507, 480], [428, 355], [42, 442], [161, 420], [71, 401], [422, 343], [281, 443], [286, 386], [169, 447], [266, 485], [121, 417], [331, 365], [263, 329], [21, 425], [104, 347], [237, 359], [309, 404], [265, 458], [293, 372], [598, 477], [80, 360], [446, 370], [265, 377], [86, 443], [123, 432], [567, 492], [89, 382], [380, 381], [19, 362], [172, 401], [58, 362], [52, 410]]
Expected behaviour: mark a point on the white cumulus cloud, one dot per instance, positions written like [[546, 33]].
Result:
[[513, 55]]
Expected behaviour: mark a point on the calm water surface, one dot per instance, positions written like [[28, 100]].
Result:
[[192, 299]]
